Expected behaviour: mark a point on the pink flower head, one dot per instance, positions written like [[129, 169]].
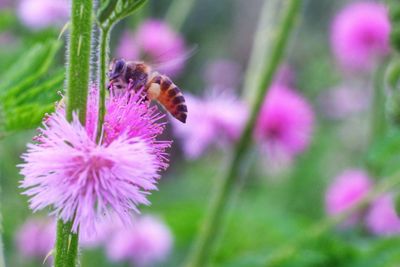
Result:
[[343, 101], [127, 47], [346, 190], [36, 238], [39, 14], [217, 119], [223, 73], [285, 123], [382, 218], [146, 242], [155, 42], [360, 35], [78, 177]]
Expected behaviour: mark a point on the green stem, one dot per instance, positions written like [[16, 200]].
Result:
[[213, 222], [63, 233], [78, 73], [261, 49], [378, 119], [72, 255], [104, 39], [178, 12], [78, 70], [285, 253]]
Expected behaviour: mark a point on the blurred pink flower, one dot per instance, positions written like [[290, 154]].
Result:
[[217, 119], [155, 42], [104, 231], [382, 218], [223, 73], [127, 47], [342, 101], [346, 190], [360, 35], [38, 14], [36, 238], [146, 242], [285, 124], [78, 177]]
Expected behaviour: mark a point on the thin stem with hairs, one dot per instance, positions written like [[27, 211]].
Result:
[[103, 54]]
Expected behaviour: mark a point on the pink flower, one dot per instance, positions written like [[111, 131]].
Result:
[[105, 230], [346, 190], [285, 123], [146, 242], [39, 14], [36, 238], [127, 47], [360, 35], [382, 218], [217, 119], [223, 73], [155, 42], [91, 181], [343, 101]]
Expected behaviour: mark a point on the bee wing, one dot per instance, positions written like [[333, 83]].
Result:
[[164, 63]]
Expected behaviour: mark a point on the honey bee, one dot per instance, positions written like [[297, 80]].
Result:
[[157, 87]]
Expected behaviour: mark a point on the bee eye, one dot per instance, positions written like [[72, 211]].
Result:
[[119, 65]]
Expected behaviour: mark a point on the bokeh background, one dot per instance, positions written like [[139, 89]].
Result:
[[281, 198]]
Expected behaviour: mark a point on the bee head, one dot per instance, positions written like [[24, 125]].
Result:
[[117, 66]]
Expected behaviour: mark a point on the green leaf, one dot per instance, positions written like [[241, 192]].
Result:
[[28, 90], [26, 117], [105, 10], [30, 66], [110, 12], [44, 92]]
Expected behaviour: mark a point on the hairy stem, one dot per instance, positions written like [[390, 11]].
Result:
[[78, 68], [78, 72], [213, 222], [104, 39]]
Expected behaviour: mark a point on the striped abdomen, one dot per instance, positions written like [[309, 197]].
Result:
[[171, 98]]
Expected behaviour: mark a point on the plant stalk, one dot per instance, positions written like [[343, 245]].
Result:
[[261, 48], [213, 222], [378, 119], [78, 75], [177, 13], [104, 40]]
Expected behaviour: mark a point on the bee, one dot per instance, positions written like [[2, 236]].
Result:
[[157, 87]]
